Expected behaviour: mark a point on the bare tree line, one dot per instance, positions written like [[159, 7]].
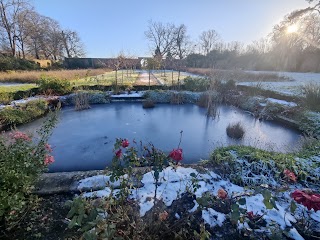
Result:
[[25, 33], [282, 49]]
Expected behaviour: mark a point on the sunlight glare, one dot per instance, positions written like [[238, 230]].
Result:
[[292, 28]]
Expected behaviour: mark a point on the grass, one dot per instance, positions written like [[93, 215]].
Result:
[[312, 93], [237, 75], [34, 76], [12, 89], [107, 79]]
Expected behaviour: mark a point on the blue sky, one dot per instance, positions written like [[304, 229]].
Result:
[[107, 27]]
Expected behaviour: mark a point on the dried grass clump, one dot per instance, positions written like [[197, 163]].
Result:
[[176, 98], [34, 76], [81, 101], [235, 130], [148, 103], [312, 93]]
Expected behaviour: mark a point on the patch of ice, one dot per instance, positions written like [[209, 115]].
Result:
[[213, 217]]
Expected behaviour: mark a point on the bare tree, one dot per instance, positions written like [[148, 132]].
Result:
[[161, 37], [9, 12], [72, 43], [208, 40]]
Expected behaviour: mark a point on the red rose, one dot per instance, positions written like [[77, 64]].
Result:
[[125, 143], [176, 154], [307, 199], [119, 153], [290, 175], [222, 193], [250, 215]]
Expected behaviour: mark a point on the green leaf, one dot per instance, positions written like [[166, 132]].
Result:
[[268, 204], [242, 201], [193, 175], [266, 194], [293, 206]]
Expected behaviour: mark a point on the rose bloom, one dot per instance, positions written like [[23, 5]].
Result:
[[125, 143], [176, 154], [20, 135], [48, 160], [290, 175], [48, 147], [119, 153], [307, 199], [222, 193]]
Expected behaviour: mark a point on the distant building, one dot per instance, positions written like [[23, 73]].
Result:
[[43, 63]]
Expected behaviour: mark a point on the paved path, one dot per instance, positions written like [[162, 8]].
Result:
[[144, 79]]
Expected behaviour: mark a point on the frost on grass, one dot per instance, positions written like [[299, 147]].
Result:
[[174, 182]]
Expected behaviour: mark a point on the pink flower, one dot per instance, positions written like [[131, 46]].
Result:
[[48, 147], [48, 160], [20, 135], [307, 199], [290, 175], [176, 154], [222, 193], [125, 143], [119, 153]]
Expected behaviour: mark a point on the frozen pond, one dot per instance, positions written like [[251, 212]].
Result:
[[84, 140]]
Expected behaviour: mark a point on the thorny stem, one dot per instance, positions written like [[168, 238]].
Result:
[[180, 138]]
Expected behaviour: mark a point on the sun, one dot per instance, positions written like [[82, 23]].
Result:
[[292, 28]]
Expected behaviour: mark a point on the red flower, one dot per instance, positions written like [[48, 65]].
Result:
[[290, 175], [250, 215], [125, 143], [119, 153], [176, 154], [48, 160], [222, 193], [307, 199]]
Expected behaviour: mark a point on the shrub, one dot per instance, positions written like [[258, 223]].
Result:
[[148, 104], [312, 93], [196, 84], [23, 113], [21, 163], [12, 63], [51, 85], [235, 130]]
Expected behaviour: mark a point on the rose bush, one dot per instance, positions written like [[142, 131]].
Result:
[[22, 160]]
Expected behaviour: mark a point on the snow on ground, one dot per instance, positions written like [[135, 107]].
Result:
[[281, 102], [131, 95], [176, 181], [291, 88]]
